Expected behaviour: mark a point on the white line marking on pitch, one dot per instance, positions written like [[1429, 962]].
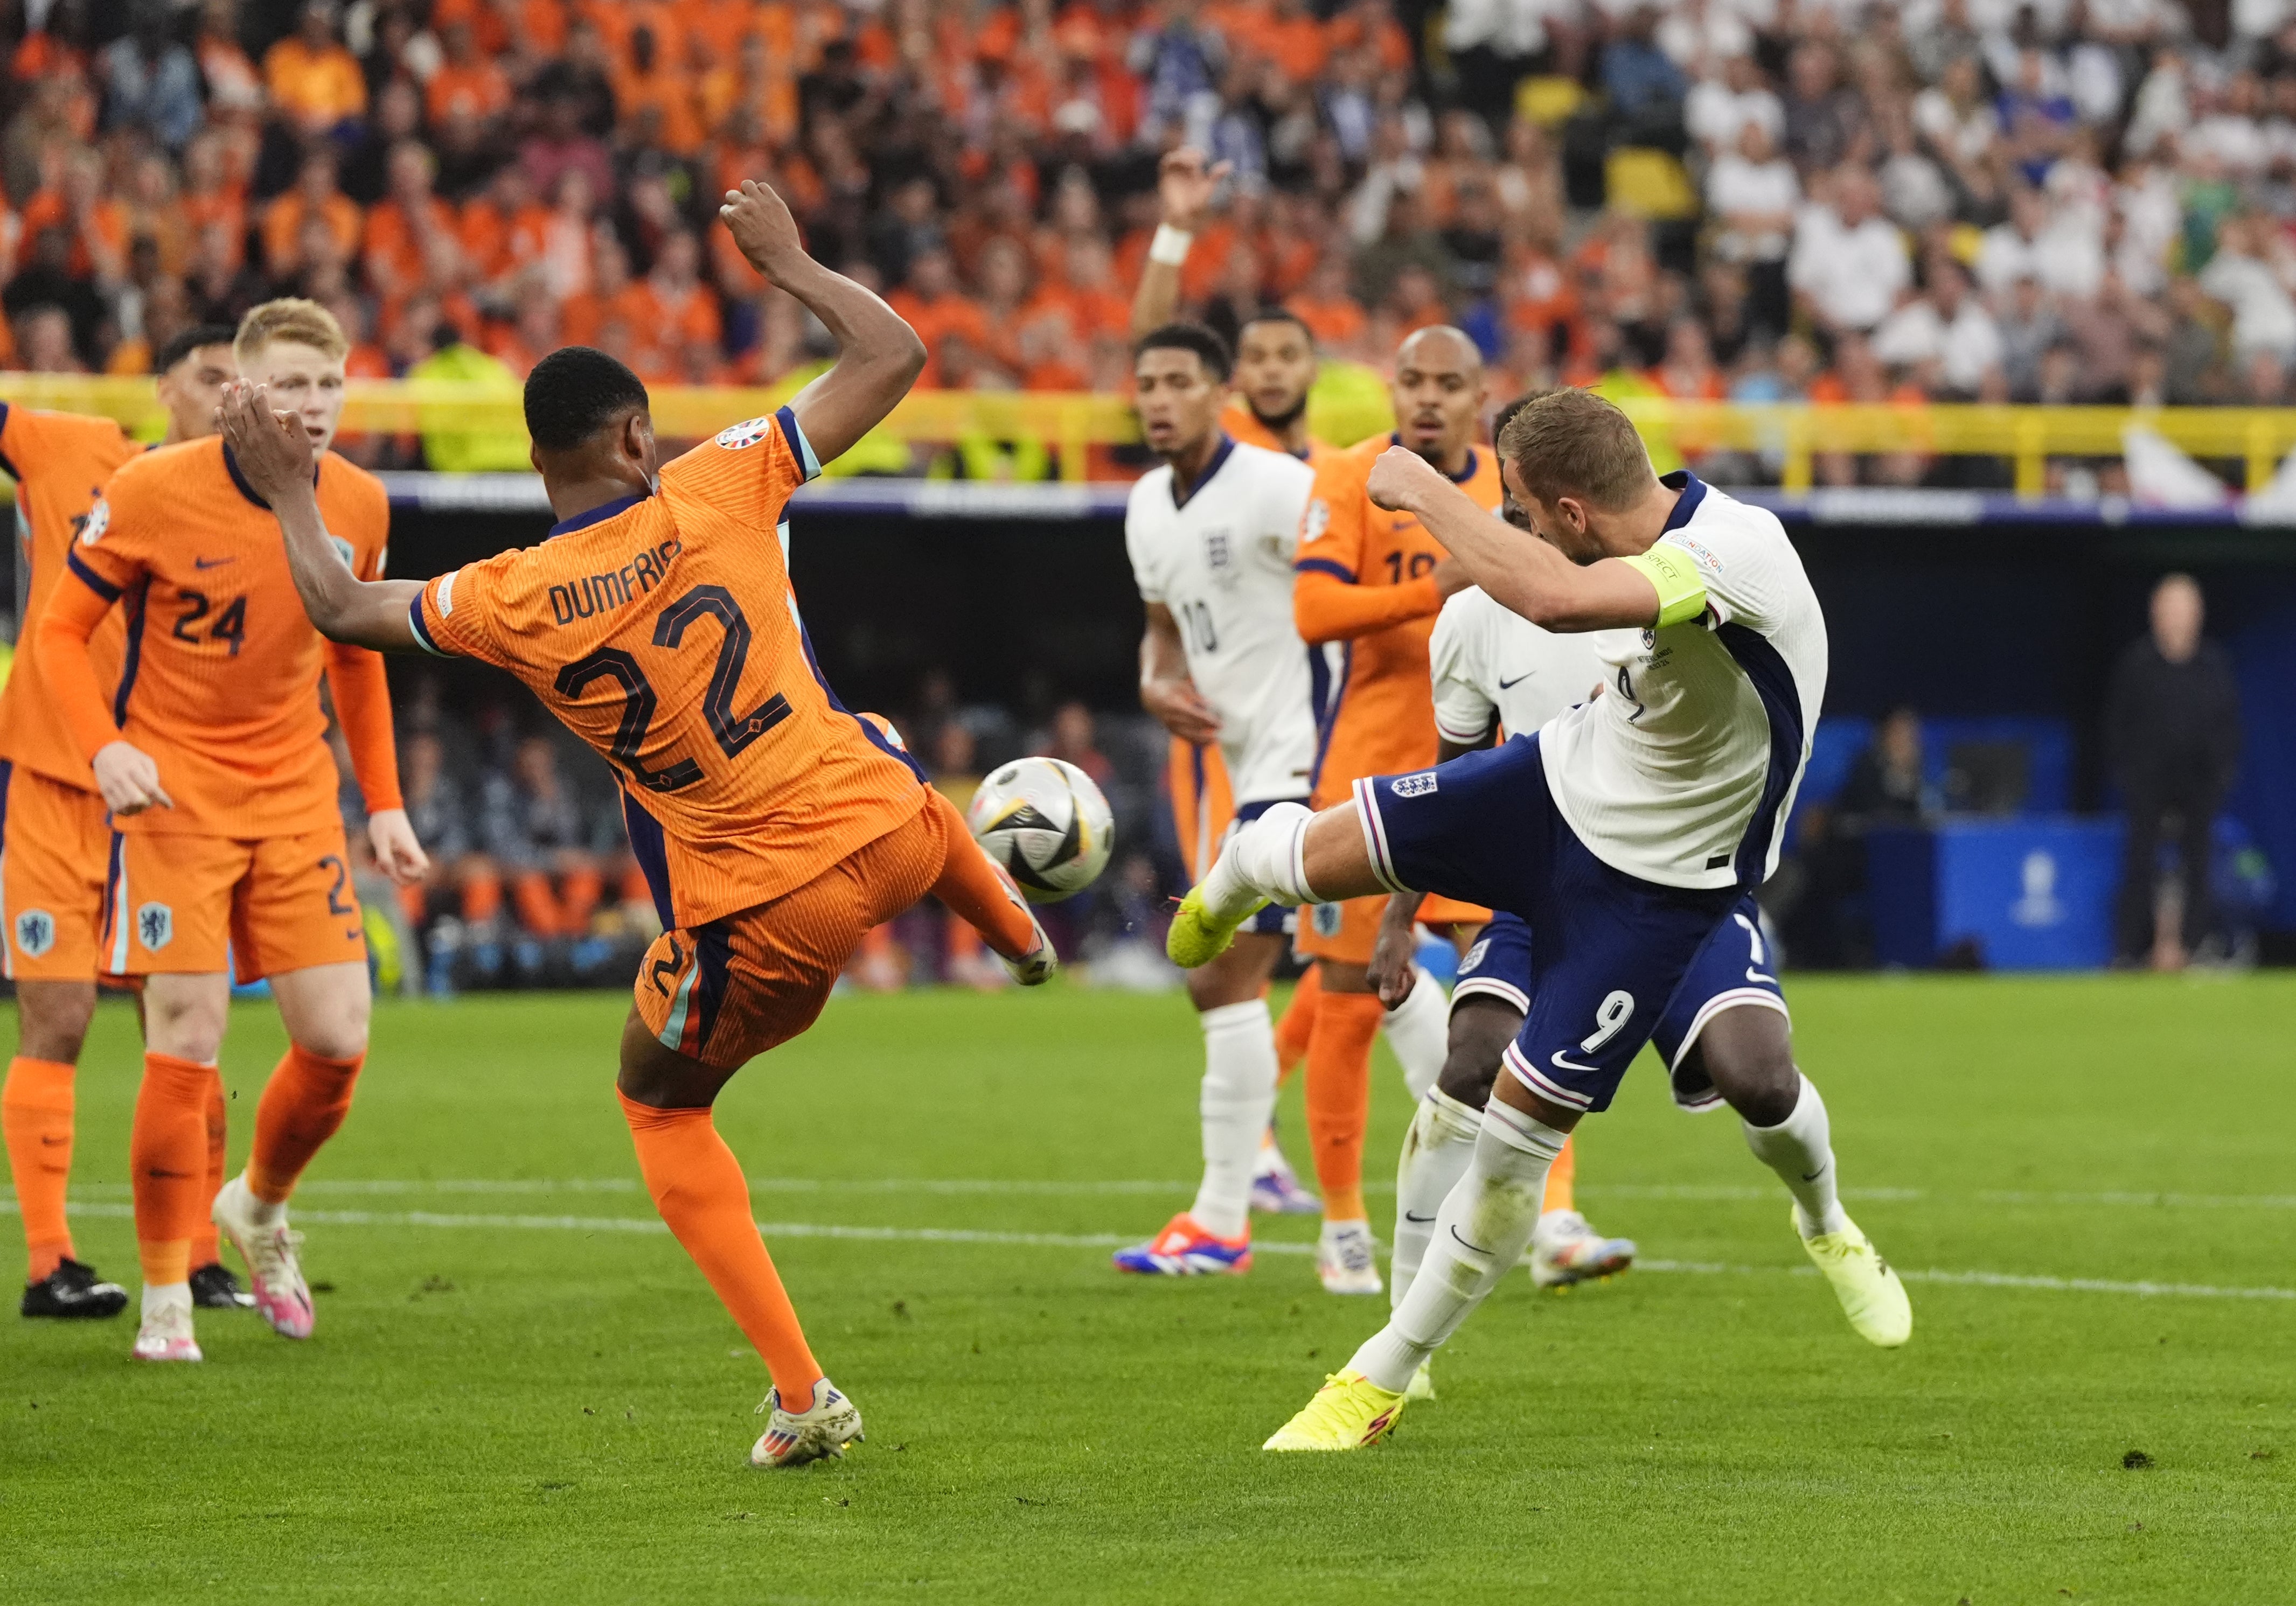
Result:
[[1720, 1192], [1103, 1241]]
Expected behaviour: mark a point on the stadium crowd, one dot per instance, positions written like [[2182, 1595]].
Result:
[[2073, 200]]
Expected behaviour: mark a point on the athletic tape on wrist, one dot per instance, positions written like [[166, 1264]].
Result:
[[1170, 245]]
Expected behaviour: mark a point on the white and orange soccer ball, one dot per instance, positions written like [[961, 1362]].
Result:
[[1046, 823]]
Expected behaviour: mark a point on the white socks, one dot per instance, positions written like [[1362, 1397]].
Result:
[[1436, 1153], [1800, 1150], [1419, 1031], [1480, 1233], [1239, 1095], [162, 1296], [1262, 860]]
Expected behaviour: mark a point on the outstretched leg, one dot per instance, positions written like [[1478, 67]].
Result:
[[1747, 1053], [1288, 856], [973, 888]]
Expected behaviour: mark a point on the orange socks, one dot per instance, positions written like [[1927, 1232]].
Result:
[[698, 1186], [1299, 1023], [302, 1105], [203, 1242], [1560, 1176], [167, 1164], [1339, 1097], [973, 891], [36, 1115], [537, 904]]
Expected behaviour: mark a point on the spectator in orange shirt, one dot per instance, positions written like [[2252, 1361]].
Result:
[[505, 230], [314, 197], [655, 97], [1688, 372], [1295, 41], [583, 316], [208, 195], [532, 334], [97, 223], [234, 89], [932, 304], [468, 84], [1090, 290], [402, 223], [673, 299], [1332, 315], [1002, 275], [312, 78]]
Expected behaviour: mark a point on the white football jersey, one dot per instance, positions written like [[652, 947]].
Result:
[[1490, 660], [1222, 562], [1683, 772]]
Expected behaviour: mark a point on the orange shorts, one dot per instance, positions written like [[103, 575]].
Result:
[[183, 904], [726, 992], [55, 848], [1346, 933]]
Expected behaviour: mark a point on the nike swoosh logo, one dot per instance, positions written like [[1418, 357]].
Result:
[[1464, 1244], [1561, 1064], [1754, 975], [212, 562], [169, 1175], [1813, 1176], [57, 1143], [1517, 681], [1420, 1220]]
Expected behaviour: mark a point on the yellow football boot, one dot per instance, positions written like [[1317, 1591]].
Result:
[[1196, 938], [1871, 1295], [1348, 1412]]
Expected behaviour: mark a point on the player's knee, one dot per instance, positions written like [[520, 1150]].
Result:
[[53, 1020], [1481, 1028], [185, 1027], [1752, 1068]]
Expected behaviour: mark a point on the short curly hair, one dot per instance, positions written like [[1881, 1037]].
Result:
[[575, 392]]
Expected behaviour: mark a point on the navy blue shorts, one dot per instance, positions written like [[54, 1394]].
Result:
[[1274, 921], [1608, 950], [1732, 969]]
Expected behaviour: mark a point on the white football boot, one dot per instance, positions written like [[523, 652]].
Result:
[[274, 1269], [1871, 1295], [823, 1428], [1347, 1258], [1564, 1249], [166, 1333]]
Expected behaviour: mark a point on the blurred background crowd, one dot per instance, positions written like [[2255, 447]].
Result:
[[2070, 200]]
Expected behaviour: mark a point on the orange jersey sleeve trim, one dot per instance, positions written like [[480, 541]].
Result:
[[60, 640], [362, 707], [1327, 605]]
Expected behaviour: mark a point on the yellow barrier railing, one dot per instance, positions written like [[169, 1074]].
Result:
[[1075, 422]]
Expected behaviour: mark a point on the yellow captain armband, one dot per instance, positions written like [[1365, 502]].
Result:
[[1681, 593]]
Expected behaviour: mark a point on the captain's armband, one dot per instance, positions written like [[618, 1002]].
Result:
[[1681, 593]]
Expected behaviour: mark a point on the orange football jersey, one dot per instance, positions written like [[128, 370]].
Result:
[[662, 630], [221, 679], [1382, 714], [1241, 424], [60, 462]]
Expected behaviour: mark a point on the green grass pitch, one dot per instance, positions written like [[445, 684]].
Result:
[[521, 1390]]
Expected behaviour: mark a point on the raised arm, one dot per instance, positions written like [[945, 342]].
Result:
[[273, 455], [1183, 187], [878, 355], [1522, 573]]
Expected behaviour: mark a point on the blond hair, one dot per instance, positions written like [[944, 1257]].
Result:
[[1574, 443], [290, 318]]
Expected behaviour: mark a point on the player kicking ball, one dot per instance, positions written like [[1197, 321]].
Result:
[[212, 756], [774, 827], [1623, 833]]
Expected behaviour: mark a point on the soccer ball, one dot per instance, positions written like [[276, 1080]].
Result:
[[1048, 825]]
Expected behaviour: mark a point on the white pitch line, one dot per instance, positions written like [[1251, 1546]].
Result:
[[1690, 1192], [1103, 1241]]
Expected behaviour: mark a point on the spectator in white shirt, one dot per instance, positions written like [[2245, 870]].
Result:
[[1848, 262], [1946, 325], [2164, 106], [1753, 191], [1729, 96], [2151, 214], [2229, 127], [2065, 249], [2241, 275]]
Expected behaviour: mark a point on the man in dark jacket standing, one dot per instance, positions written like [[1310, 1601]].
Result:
[[2172, 731]]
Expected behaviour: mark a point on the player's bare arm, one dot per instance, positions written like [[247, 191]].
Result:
[[878, 355], [1528, 574], [1185, 182], [274, 453], [1166, 690]]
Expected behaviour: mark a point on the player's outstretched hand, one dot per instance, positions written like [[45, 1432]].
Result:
[[1397, 477], [392, 838], [128, 777], [1181, 709], [1392, 975], [1186, 184], [273, 449], [762, 227]]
